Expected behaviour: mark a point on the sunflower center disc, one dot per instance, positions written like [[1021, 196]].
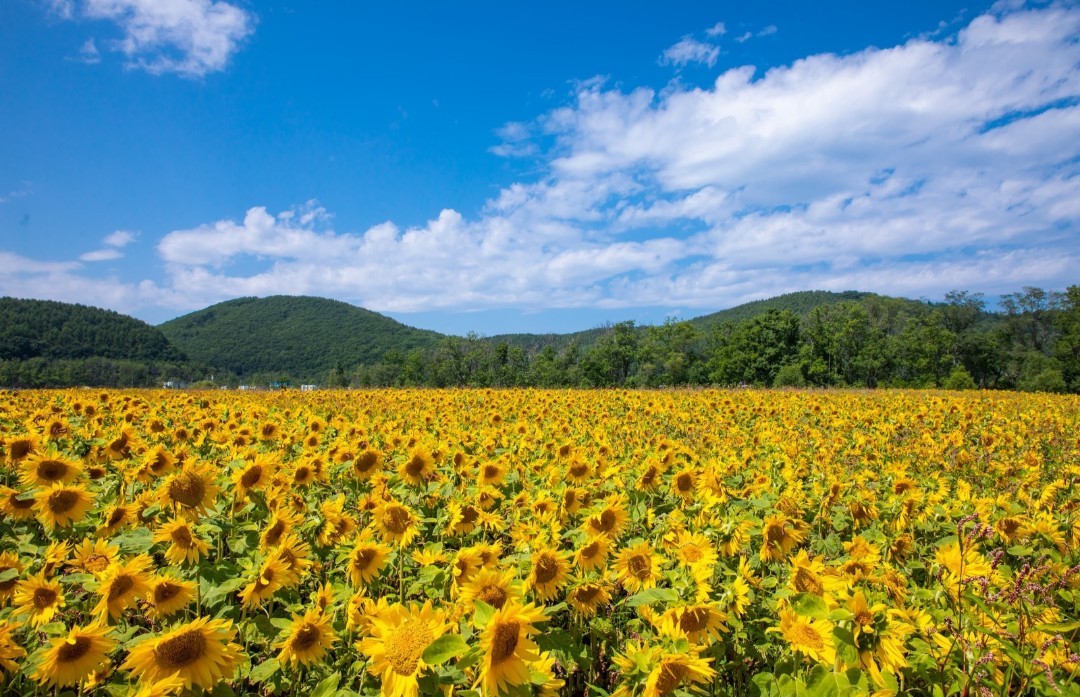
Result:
[[72, 652], [405, 645], [505, 641], [181, 650]]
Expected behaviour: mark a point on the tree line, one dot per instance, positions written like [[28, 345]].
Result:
[[1032, 343]]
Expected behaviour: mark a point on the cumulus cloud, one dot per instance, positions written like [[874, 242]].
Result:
[[717, 29], [113, 242], [690, 50], [188, 37], [941, 163]]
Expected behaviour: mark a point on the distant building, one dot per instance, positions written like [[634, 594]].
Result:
[[308, 388]]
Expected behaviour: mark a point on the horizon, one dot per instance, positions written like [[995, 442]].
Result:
[[443, 167]]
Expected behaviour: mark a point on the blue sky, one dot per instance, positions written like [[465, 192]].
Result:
[[534, 166]]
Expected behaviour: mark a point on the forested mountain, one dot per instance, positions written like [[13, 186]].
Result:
[[53, 344], [48, 329], [816, 339], [297, 337]]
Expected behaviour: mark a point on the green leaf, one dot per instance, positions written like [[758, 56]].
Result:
[[651, 596], [483, 613], [327, 686], [264, 670], [1059, 627], [443, 649], [809, 605], [8, 574], [136, 541], [845, 645]]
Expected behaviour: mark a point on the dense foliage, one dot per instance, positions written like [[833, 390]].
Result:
[[52, 344], [525, 543], [300, 337], [1032, 344], [54, 330]]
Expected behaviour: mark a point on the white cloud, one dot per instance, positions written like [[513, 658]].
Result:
[[101, 255], [24, 190], [937, 164], [690, 50], [89, 53], [113, 242], [64, 9], [188, 37], [717, 29], [118, 239]]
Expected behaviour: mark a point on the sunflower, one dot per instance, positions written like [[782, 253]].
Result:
[[593, 555], [157, 462], [70, 659], [94, 557], [587, 597], [200, 653], [338, 525], [736, 597], [398, 637], [367, 463], [396, 522], [366, 559], [702, 623], [160, 688], [879, 640], [307, 639], [43, 470], [417, 467], [650, 477], [508, 648], [491, 474], [693, 549], [810, 637], [255, 474], [809, 575], [361, 611], [293, 553], [185, 546], [61, 505], [271, 576], [609, 520], [280, 524], [168, 595], [22, 446], [677, 669], [494, 587], [9, 650], [637, 567], [55, 428], [121, 584], [780, 535], [550, 572], [56, 555], [462, 517], [122, 445], [38, 597], [119, 516], [191, 489], [551, 685], [577, 470], [684, 483], [16, 504]]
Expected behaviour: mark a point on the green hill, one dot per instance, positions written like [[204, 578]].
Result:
[[302, 337], [801, 303], [54, 330]]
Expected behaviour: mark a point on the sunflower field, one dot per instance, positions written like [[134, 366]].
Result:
[[530, 542]]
